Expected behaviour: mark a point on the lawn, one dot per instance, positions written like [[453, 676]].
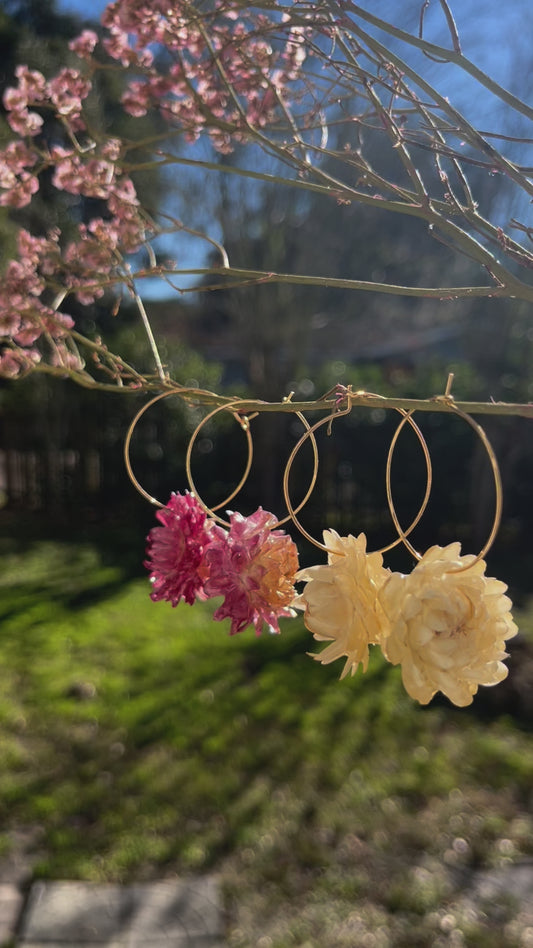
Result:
[[138, 742]]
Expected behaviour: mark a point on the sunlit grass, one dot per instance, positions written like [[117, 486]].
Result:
[[145, 742]]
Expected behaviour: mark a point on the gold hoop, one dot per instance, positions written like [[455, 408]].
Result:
[[497, 485], [243, 421], [328, 420]]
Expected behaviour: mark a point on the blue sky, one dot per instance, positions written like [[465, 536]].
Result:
[[86, 8]]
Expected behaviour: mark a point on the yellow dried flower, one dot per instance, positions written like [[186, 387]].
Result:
[[447, 628], [341, 603]]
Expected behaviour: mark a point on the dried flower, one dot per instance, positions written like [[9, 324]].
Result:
[[176, 550], [448, 628], [341, 601], [253, 567]]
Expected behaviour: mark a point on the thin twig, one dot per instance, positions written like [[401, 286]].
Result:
[[151, 338], [198, 397]]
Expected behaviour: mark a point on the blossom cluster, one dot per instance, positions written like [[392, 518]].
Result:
[[445, 623], [94, 251], [226, 72], [251, 564], [225, 75]]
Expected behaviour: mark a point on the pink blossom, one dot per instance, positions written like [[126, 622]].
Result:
[[24, 122], [91, 178], [111, 149], [136, 99], [14, 99], [57, 324], [23, 316], [17, 156], [29, 332], [127, 220], [32, 83], [13, 362], [31, 90], [21, 280], [67, 91], [66, 358], [9, 321], [193, 93], [124, 192], [118, 46], [83, 45], [39, 251], [21, 191], [253, 567], [100, 235], [8, 179], [177, 550]]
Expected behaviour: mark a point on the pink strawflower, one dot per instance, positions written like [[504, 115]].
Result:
[[177, 550], [253, 567]]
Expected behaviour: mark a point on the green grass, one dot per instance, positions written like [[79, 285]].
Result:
[[140, 741]]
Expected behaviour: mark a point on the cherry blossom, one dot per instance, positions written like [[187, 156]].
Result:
[[67, 91], [14, 362], [226, 73], [84, 44]]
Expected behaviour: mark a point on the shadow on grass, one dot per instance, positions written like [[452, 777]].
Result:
[[40, 577], [144, 740]]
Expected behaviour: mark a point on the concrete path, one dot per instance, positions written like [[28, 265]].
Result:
[[180, 913], [173, 914], [11, 902]]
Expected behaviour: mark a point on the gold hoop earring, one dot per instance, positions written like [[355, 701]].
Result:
[[210, 511], [329, 420], [153, 500], [244, 422], [497, 485]]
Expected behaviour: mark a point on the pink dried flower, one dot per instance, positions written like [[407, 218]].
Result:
[[253, 567], [177, 550]]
